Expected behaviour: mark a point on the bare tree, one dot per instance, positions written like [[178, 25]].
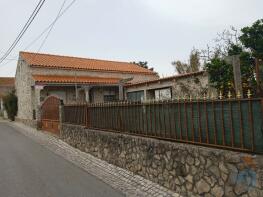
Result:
[[223, 42]]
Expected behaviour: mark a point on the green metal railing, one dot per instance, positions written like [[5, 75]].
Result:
[[234, 124]]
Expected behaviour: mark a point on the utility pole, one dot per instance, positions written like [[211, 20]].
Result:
[[237, 74], [235, 62]]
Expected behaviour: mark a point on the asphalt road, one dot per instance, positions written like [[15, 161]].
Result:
[[28, 169]]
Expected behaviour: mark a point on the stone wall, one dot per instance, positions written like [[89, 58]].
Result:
[[186, 169], [28, 122], [194, 85], [98, 93], [23, 91]]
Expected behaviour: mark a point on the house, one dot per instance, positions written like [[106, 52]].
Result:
[[72, 79], [190, 84], [7, 84]]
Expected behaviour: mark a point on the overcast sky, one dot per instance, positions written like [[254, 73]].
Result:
[[157, 31]]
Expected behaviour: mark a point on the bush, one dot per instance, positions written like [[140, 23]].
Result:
[[220, 73], [10, 105]]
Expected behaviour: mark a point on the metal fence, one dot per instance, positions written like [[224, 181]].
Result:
[[76, 114], [233, 123]]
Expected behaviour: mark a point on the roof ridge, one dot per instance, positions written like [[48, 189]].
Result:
[[62, 61], [169, 77], [7, 77], [184, 74], [67, 56], [74, 76]]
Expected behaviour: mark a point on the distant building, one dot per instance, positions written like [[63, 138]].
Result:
[[7, 84], [190, 84], [72, 79]]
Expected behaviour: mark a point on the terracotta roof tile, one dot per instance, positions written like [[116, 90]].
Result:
[[72, 79], [7, 81], [66, 62]]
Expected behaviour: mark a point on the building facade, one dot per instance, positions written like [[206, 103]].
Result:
[[72, 79], [185, 85]]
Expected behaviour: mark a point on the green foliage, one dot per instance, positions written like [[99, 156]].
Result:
[[194, 64], [249, 45], [234, 49], [252, 38], [220, 73], [246, 63], [181, 67], [247, 68], [10, 104], [194, 61], [141, 64]]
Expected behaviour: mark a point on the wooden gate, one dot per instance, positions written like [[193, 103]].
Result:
[[50, 115]]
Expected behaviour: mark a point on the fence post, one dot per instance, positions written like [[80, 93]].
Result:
[[87, 121], [61, 115]]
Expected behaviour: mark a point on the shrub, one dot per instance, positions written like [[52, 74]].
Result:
[[10, 105]]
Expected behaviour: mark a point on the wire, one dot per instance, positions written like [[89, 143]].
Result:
[[24, 29], [26, 26], [45, 30], [52, 26]]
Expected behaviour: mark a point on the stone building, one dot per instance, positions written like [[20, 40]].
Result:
[[194, 84], [72, 79], [7, 84]]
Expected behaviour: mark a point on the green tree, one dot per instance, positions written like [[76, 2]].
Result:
[[143, 64], [248, 44], [246, 64], [234, 49], [252, 38], [194, 64], [180, 67], [10, 105], [220, 73]]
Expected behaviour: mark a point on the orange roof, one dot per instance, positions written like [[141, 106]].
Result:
[[7, 81], [73, 79], [66, 62]]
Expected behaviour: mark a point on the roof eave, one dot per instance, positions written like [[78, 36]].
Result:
[[73, 84], [93, 70]]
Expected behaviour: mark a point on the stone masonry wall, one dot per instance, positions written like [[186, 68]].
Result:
[[27, 122], [23, 91], [27, 97], [194, 85], [187, 169]]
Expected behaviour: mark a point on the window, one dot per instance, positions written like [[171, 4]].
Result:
[[135, 96], [109, 98], [163, 94]]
